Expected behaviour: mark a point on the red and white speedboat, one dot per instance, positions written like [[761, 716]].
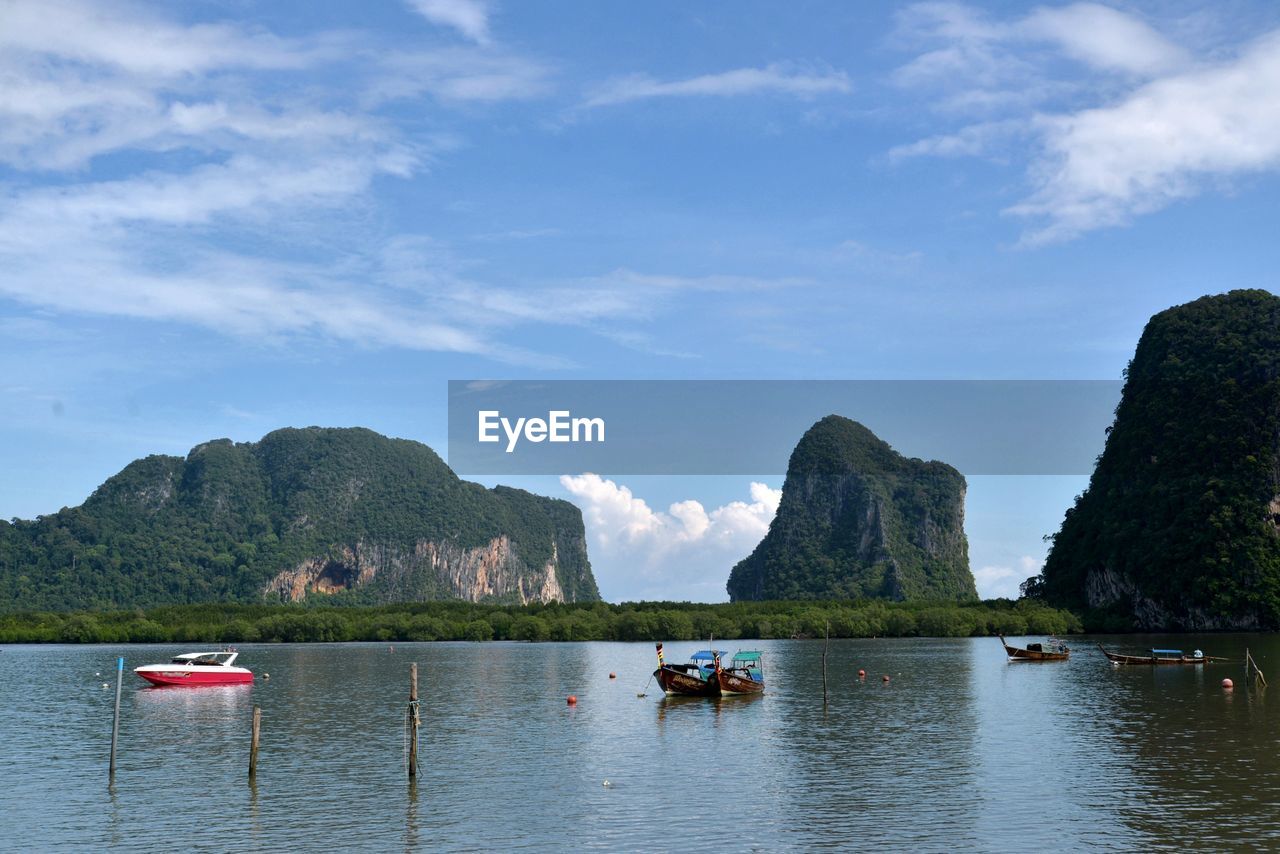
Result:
[[197, 668]]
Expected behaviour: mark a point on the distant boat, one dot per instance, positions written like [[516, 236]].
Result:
[[197, 668], [695, 679], [745, 675], [1054, 650], [1159, 656]]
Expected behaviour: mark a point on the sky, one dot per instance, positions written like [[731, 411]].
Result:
[[223, 217]]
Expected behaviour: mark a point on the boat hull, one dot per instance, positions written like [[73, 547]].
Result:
[[678, 683], [161, 675], [1120, 658], [732, 683], [1017, 653]]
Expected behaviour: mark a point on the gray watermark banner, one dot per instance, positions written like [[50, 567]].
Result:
[[749, 427]]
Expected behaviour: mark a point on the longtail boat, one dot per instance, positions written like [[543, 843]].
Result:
[[695, 679], [744, 675], [1054, 650], [1159, 656]]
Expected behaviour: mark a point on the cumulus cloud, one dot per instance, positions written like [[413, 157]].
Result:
[[771, 79], [685, 552], [995, 582]]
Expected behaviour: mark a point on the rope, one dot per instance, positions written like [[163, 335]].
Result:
[[411, 716]]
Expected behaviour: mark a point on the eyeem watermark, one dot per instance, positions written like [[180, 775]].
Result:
[[558, 426], [749, 427]]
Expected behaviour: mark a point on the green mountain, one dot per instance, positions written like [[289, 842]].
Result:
[[345, 513], [1178, 528], [859, 520]]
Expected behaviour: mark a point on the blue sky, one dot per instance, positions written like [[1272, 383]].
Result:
[[220, 218]]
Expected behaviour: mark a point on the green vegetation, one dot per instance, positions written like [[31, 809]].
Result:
[[353, 506], [1178, 528], [859, 520], [430, 621]]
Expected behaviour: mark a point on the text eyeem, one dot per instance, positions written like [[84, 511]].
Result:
[[558, 426]]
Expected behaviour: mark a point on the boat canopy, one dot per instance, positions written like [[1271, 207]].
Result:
[[751, 655], [706, 655], [1166, 652]]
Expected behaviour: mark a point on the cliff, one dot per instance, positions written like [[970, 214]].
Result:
[[342, 513], [859, 520], [1178, 529]]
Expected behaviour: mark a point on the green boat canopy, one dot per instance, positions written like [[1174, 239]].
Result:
[[747, 656]]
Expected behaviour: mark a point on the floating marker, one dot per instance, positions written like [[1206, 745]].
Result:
[[1228, 684], [571, 700], [884, 678], [862, 674], [613, 676]]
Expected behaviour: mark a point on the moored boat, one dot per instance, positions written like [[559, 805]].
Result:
[[744, 675], [197, 668], [695, 679], [1053, 650], [1159, 656]]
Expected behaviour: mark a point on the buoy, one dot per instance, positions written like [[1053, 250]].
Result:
[[613, 676], [106, 684], [571, 700], [391, 649], [862, 674], [608, 785], [266, 676], [884, 678], [1228, 684]]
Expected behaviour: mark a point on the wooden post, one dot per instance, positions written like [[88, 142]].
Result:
[[253, 743], [115, 720], [413, 721], [826, 645]]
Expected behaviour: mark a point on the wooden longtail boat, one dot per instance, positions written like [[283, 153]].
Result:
[[745, 675], [1159, 656], [695, 679], [1051, 651]]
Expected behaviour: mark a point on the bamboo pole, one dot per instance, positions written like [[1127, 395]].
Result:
[[826, 645], [115, 720], [414, 720], [253, 744]]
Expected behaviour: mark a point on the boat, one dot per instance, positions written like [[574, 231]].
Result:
[[1054, 650], [1159, 656], [197, 668], [744, 675], [695, 679]]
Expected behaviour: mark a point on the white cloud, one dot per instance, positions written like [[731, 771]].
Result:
[[1145, 125], [469, 17], [1104, 38], [641, 552], [1166, 141], [771, 79], [995, 582]]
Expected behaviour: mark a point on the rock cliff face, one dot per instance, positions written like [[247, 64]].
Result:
[[493, 571], [858, 520], [302, 513], [1178, 528]]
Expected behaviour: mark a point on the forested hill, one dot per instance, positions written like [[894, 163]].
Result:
[[341, 513], [1178, 528], [859, 520]]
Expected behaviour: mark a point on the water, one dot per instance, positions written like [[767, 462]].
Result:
[[959, 751]]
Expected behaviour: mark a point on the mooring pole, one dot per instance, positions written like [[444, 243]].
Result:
[[826, 645], [115, 720], [414, 720], [253, 743]]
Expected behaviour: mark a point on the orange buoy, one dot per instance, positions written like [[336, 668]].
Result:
[[613, 676], [1228, 684], [884, 678], [862, 674], [571, 700]]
